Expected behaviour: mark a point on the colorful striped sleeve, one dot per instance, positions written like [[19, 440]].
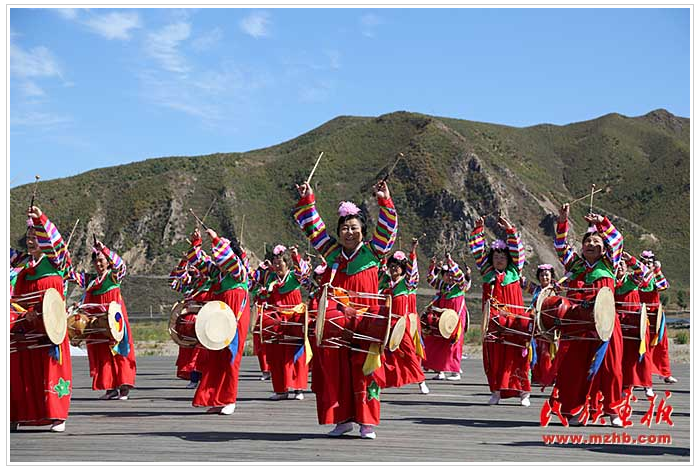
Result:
[[564, 252], [312, 225], [639, 270], [456, 273], [476, 244], [50, 241], [660, 280], [614, 241], [197, 257], [432, 276], [412, 275], [386, 228], [529, 286], [119, 268], [226, 260], [300, 268], [80, 278], [516, 248]]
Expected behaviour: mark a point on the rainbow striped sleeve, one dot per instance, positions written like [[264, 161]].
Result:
[[457, 274], [119, 269], [200, 260], [412, 276], [660, 280], [310, 222], [516, 248], [639, 270], [50, 241], [301, 268], [386, 228], [564, 252], [226, 260], [432, 276], [529, 286], [476, 244], [614, 241]]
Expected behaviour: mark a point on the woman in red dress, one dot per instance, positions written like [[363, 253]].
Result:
[[350, 382], [40, 378], [505, 359], [111, 366]]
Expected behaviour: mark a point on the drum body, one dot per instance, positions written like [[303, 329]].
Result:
[[40, 325], [96, 323], [439, 322], [282, 326], [342, 323], [182, 323], [577, 320]]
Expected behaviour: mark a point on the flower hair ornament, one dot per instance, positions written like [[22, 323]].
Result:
[[647, 254], [545, 266], [399, 255], [279, 249], [320, 269], [348, 208], [498, 245], [30, 223], [591, 229]]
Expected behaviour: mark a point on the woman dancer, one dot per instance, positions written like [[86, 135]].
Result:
[[349, 389]]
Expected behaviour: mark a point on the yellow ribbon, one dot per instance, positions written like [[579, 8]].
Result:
[[373, 360]]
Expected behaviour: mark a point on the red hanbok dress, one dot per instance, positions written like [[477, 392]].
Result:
[[654, 283]]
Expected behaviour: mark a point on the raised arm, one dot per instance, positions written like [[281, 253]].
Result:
[[639, 270], [412, 275], [476, 244], [659, 278], [564, 252], [516, 247], [432, 274], [49, 239], [300, 267], [612, 237], [225, 259], [309, 220], [387, 225], [118, 267]]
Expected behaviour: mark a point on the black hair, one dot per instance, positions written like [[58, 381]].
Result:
[[596, 233], [551, 270], [236, 248], [360, 217], [286, 256], [401, 263], [504, 251]]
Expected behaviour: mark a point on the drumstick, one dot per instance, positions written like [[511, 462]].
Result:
[[67, 244], [586, 196], [210, 208], [36, 185], [198, 219], [241, 234], [591, 205], [400, 154], [314, 169], [94, 236]]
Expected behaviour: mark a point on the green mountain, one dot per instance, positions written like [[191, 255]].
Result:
[[452, 171]]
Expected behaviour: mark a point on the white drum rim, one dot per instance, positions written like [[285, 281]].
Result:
[[604, 313], [215, 314], [449, 317], [54, 316], [114, 309], [397, 333]]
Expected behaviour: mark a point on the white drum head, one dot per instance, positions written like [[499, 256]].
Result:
[[414, 319], [215, 325], [485, 320], [321, 314], [55, 319], [643, 322], [397, 334], [604, 313], [448, 322]]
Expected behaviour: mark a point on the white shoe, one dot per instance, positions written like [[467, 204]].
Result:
[[110, 394], [439, 375], [279, 396], [454, 377], [525, 399], [228, 409], [423, 388], [341, 429], [649, 392], [58, 427], [670, 380], [122, 398], [192, 385], [299, 395], [494, 399], [616, 421], [367, 431], [265, 376]]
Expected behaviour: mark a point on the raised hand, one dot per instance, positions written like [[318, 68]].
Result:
[[480, 222], [212, 234], [593, 218], [304, 190], [381, 190], [504, 222], [564, 213], [34, 212]]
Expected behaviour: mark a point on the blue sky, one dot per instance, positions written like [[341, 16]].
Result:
[[92, 88]]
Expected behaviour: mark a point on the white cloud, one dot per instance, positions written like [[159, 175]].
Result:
[[36, 62], [67, 13], [317, 93], [30, 89], [207, 40], [334, 59], [369, 23], [163, 46], [115, 25], [256, 24], [38, 118]]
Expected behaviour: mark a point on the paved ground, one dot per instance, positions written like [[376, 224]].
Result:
[[452, 423]]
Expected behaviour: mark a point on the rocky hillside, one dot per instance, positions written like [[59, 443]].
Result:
[[453, 172]]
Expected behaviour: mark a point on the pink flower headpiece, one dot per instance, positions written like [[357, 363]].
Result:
[[30, 222], [499, 245], [320, 269], [399, 255], [279, 249], [591, 229], [545, 266], [647, 254], [348, 208]]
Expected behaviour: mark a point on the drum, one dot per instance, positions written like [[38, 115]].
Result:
[[634, 324], [414, 322], [283, 324], [95, 323], [439, 322], [397, 332], [655, 319], [343, 322], [182, 323], [576, 320], [502, 325], [31, 328], [215, 325]]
